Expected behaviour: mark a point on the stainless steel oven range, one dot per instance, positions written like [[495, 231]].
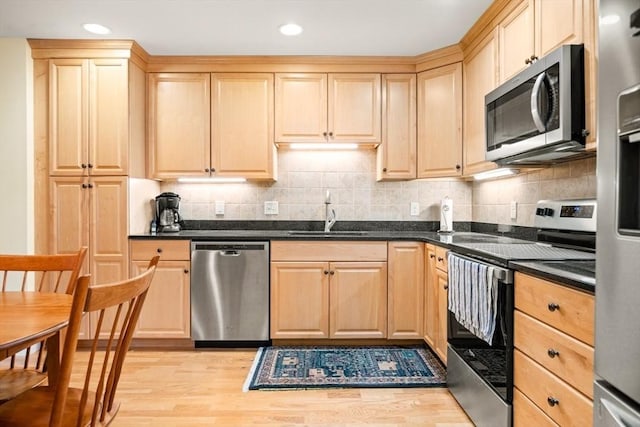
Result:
[[481, 305]]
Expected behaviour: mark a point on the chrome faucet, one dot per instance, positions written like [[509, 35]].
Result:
[[330, 214]]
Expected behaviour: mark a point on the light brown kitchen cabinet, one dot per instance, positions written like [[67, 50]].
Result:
[[440, 122], [406, 290], [179, 124], [88, 114], [479, 78], [553, 360], [203, 124], [328, 290], [516, 40], [435, 300], [166, 311], [327, 108], [77, 206], [396, 155]]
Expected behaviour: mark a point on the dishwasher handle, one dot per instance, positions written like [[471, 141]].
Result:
[[229, 248], [229, 253]]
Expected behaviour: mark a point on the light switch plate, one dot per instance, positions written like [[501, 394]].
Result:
[[271, 207], [219, 207], [514, 209], [415, 208]]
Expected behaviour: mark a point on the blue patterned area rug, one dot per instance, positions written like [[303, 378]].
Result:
[[342, 366]]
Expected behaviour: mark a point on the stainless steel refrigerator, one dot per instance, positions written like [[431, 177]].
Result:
[[617, 358]]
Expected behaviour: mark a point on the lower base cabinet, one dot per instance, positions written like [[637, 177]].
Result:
[[166, 311], [435, 300], [328, 290]]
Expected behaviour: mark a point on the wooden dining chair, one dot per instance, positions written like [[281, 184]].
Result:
[[39, 273], [94, 403]]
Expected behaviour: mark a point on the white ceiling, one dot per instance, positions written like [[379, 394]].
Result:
[[250, 27]]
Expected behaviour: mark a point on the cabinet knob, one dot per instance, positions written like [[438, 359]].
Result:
[[458, 167], [90, 185], [90, 165], [84, 185], [213, 170], [384, 169], [186, 271], [83, 166], [553, 353], [553, 306], [324, 134], [446, 287], [326, 272], [332, 272], [330, 134], [552, 401], [432, 256], [440, 259], [159, 250], [206, 169]]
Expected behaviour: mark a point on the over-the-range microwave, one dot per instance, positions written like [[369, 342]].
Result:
[[537, 117]]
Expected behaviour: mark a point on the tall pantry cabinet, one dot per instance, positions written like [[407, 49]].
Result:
[[89, 140]]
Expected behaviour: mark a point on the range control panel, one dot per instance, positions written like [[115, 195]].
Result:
[[578, 214]]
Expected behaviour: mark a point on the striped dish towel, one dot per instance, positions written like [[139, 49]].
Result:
[[473, 296]]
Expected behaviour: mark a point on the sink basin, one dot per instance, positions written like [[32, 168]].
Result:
[[326, 234]]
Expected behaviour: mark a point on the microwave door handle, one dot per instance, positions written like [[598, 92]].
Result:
[[535, 94]]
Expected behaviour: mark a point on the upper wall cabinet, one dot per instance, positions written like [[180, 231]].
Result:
[[327, 108], [211, 125], [88, 117], [479, 78], [440, 122], [396, 155]]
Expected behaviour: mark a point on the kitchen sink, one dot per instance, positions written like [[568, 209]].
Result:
[[327, 233]]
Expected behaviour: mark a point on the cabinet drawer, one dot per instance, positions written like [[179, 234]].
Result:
[[144, 250], [329, 251], [566, 309], [540, 385], [441, 258], [572, 359], [526, 414]]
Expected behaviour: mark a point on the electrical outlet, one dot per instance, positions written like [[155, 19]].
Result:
[[219, 207], [514, 209], [271, 207], [415, 208]]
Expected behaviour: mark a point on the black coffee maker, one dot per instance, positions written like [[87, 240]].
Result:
[[167, 216]]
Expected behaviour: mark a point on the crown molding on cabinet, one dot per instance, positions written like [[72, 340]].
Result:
[[438, 58]]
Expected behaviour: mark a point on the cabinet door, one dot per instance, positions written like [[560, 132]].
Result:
[[299, 300], [69, 214], [440, 122], [431, 322], [441, 341], [479, 79], [396, 155], [300, 107], [108, 117], [354, 108], [406, 290], [68, 116], [166, 311], [557, 22], [179, 124], [515, 40], [358, 300], [108, 229], [242, 125]]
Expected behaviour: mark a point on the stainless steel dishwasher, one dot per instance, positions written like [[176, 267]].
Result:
[[229, 292]]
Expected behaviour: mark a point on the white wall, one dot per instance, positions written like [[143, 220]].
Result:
[[16, 147]]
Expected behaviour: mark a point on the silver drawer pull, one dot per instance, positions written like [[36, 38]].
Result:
[[553, 353]]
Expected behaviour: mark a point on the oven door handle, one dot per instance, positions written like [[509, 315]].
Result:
[[502, 274]]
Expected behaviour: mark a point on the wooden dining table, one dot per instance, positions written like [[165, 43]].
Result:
[[27, 318]]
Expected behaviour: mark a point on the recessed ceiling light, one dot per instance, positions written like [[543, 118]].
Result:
[[290, 29], [96, 29]]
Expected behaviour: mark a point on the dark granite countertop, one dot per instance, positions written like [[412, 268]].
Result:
[[571, 273]]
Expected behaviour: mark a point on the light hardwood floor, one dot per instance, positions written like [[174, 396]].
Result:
[[204, 388]]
